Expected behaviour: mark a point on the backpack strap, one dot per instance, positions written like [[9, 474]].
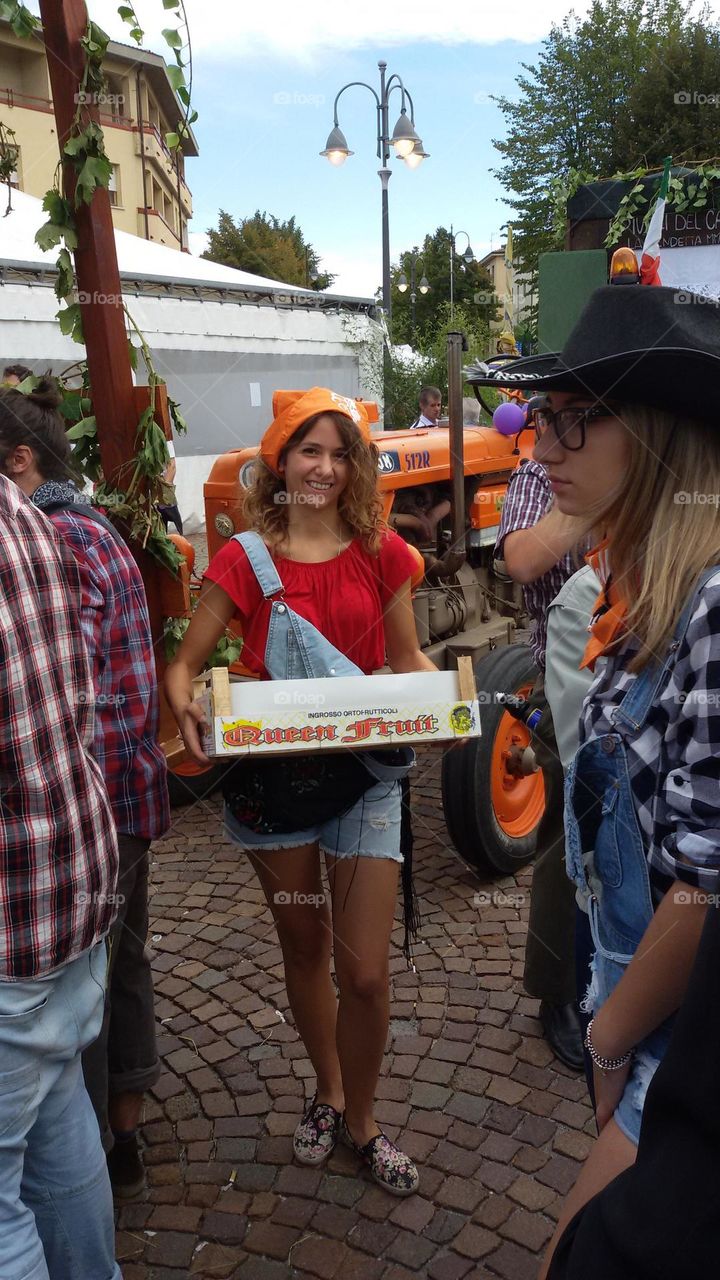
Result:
[[261, 563], [84, 509]]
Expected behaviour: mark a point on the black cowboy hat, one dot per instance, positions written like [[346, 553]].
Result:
[[638, 344]]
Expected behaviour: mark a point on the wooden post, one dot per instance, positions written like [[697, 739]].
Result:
[[116, 402]]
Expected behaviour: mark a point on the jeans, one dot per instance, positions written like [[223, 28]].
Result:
[[124, 1057], [56, 1215]]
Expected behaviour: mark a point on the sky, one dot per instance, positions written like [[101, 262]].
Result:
[[264, 81]]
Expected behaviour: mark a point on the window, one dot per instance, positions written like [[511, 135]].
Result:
[[114, 187]]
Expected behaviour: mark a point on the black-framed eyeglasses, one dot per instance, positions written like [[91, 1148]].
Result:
[[569, 425]]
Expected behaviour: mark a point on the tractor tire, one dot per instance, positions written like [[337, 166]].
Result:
[[493, 817], [189, 782]]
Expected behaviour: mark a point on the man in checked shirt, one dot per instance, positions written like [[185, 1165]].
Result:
[[123, 1063], [535, 544], [58, 870]]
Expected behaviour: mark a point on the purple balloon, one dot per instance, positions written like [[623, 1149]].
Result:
[[509, 418]]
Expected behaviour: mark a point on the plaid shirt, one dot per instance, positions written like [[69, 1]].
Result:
[[115, 624], [679, 744], [58, 850], [528, 499]]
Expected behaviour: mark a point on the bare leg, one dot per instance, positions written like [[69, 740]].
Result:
[[305, 934], [124, 1111], [612, 1153], [364, 891]]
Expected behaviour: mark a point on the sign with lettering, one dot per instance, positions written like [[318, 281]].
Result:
[[272, 717], [680, 230]]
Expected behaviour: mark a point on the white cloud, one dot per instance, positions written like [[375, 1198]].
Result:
[[198, 242], [305, 32]]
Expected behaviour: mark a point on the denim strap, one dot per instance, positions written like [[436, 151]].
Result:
[[261, 563], [641, 695]]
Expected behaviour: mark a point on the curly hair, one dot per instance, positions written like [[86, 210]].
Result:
[[359, 505]]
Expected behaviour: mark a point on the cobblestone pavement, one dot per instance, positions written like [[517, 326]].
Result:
[[469, 1088]]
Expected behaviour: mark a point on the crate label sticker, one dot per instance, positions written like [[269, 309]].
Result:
[[462, 719]]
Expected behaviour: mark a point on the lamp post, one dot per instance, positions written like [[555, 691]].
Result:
[[402, 284], [404, 141], [468, 256]]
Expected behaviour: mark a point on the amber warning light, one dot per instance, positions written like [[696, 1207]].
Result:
[[624, 268]]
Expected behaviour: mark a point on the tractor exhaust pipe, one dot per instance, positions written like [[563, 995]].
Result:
[[454, 557]]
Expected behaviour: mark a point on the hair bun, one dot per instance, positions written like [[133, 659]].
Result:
[[46, 395]]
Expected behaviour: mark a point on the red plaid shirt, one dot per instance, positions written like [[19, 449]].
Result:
[[115, 623], [58, 850]]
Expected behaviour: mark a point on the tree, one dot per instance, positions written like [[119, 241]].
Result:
[[265, 246], [405, 377], [472, 289], [602, 100]]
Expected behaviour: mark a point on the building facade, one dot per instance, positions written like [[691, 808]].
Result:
[[148, 191], [522, 299]]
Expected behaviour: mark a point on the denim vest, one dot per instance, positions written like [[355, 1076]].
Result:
[[296, 650], [605, 849]]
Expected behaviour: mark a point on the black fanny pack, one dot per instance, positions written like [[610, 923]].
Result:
[[293, 793]]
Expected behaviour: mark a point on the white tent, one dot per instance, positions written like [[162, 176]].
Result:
[[222, 339]]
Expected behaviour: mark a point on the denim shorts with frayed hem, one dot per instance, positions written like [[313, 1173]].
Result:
[[370, 829]]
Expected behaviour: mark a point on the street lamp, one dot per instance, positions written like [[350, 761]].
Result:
[[402, 284], [404, 141], [468, 256]]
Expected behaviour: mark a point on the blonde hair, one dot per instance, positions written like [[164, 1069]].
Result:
[[663, 525], [359, 505]]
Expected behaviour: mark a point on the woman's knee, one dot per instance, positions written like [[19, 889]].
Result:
[[363, 983], [305, 937]]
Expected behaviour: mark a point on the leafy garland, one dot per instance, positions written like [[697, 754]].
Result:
[[84, 151], [692, 190]]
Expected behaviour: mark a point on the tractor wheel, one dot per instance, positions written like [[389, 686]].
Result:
[[493, 817], [189, 782]]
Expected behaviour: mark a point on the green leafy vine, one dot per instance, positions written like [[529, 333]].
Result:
[[690, 190], [84, 153]]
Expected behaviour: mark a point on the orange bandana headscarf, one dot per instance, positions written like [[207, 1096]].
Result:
[[293, 408], [610, 611]]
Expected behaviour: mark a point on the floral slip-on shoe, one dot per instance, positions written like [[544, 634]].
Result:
[[317, 1133], [389, 1166]]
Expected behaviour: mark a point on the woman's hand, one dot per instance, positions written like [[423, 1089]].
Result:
[[609, 1089], [187, 711], [214, 611]]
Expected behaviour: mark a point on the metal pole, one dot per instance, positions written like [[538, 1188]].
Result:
[[384, 175], [452, 248], [412, 299], [456, 440]]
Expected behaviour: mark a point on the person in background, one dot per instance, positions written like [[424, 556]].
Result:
[[58, 873], [430, 408], [168, 508], [122, 1064], [535, 547], [14, 374]]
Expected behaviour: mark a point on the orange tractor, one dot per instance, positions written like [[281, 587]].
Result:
[[461, 607]]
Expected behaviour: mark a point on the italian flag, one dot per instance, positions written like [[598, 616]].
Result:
[[650, 259]]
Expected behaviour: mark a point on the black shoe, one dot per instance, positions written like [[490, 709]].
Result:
[[126, 1169], [562, 1030]]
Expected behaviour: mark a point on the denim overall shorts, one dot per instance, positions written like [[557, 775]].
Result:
[[296, 650], [606, 858]]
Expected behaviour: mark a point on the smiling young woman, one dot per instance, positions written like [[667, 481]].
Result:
[[322, 588]]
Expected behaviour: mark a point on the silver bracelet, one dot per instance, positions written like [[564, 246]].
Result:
[[604, 1064]]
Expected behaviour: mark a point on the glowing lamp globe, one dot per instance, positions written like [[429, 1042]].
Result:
[[509, 418]]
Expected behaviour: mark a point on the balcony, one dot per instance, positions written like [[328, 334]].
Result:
[[158, 230]]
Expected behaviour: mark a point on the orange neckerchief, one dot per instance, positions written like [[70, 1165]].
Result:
[[610, 611]]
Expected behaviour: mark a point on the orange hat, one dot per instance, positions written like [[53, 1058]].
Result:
[[293, 408]]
